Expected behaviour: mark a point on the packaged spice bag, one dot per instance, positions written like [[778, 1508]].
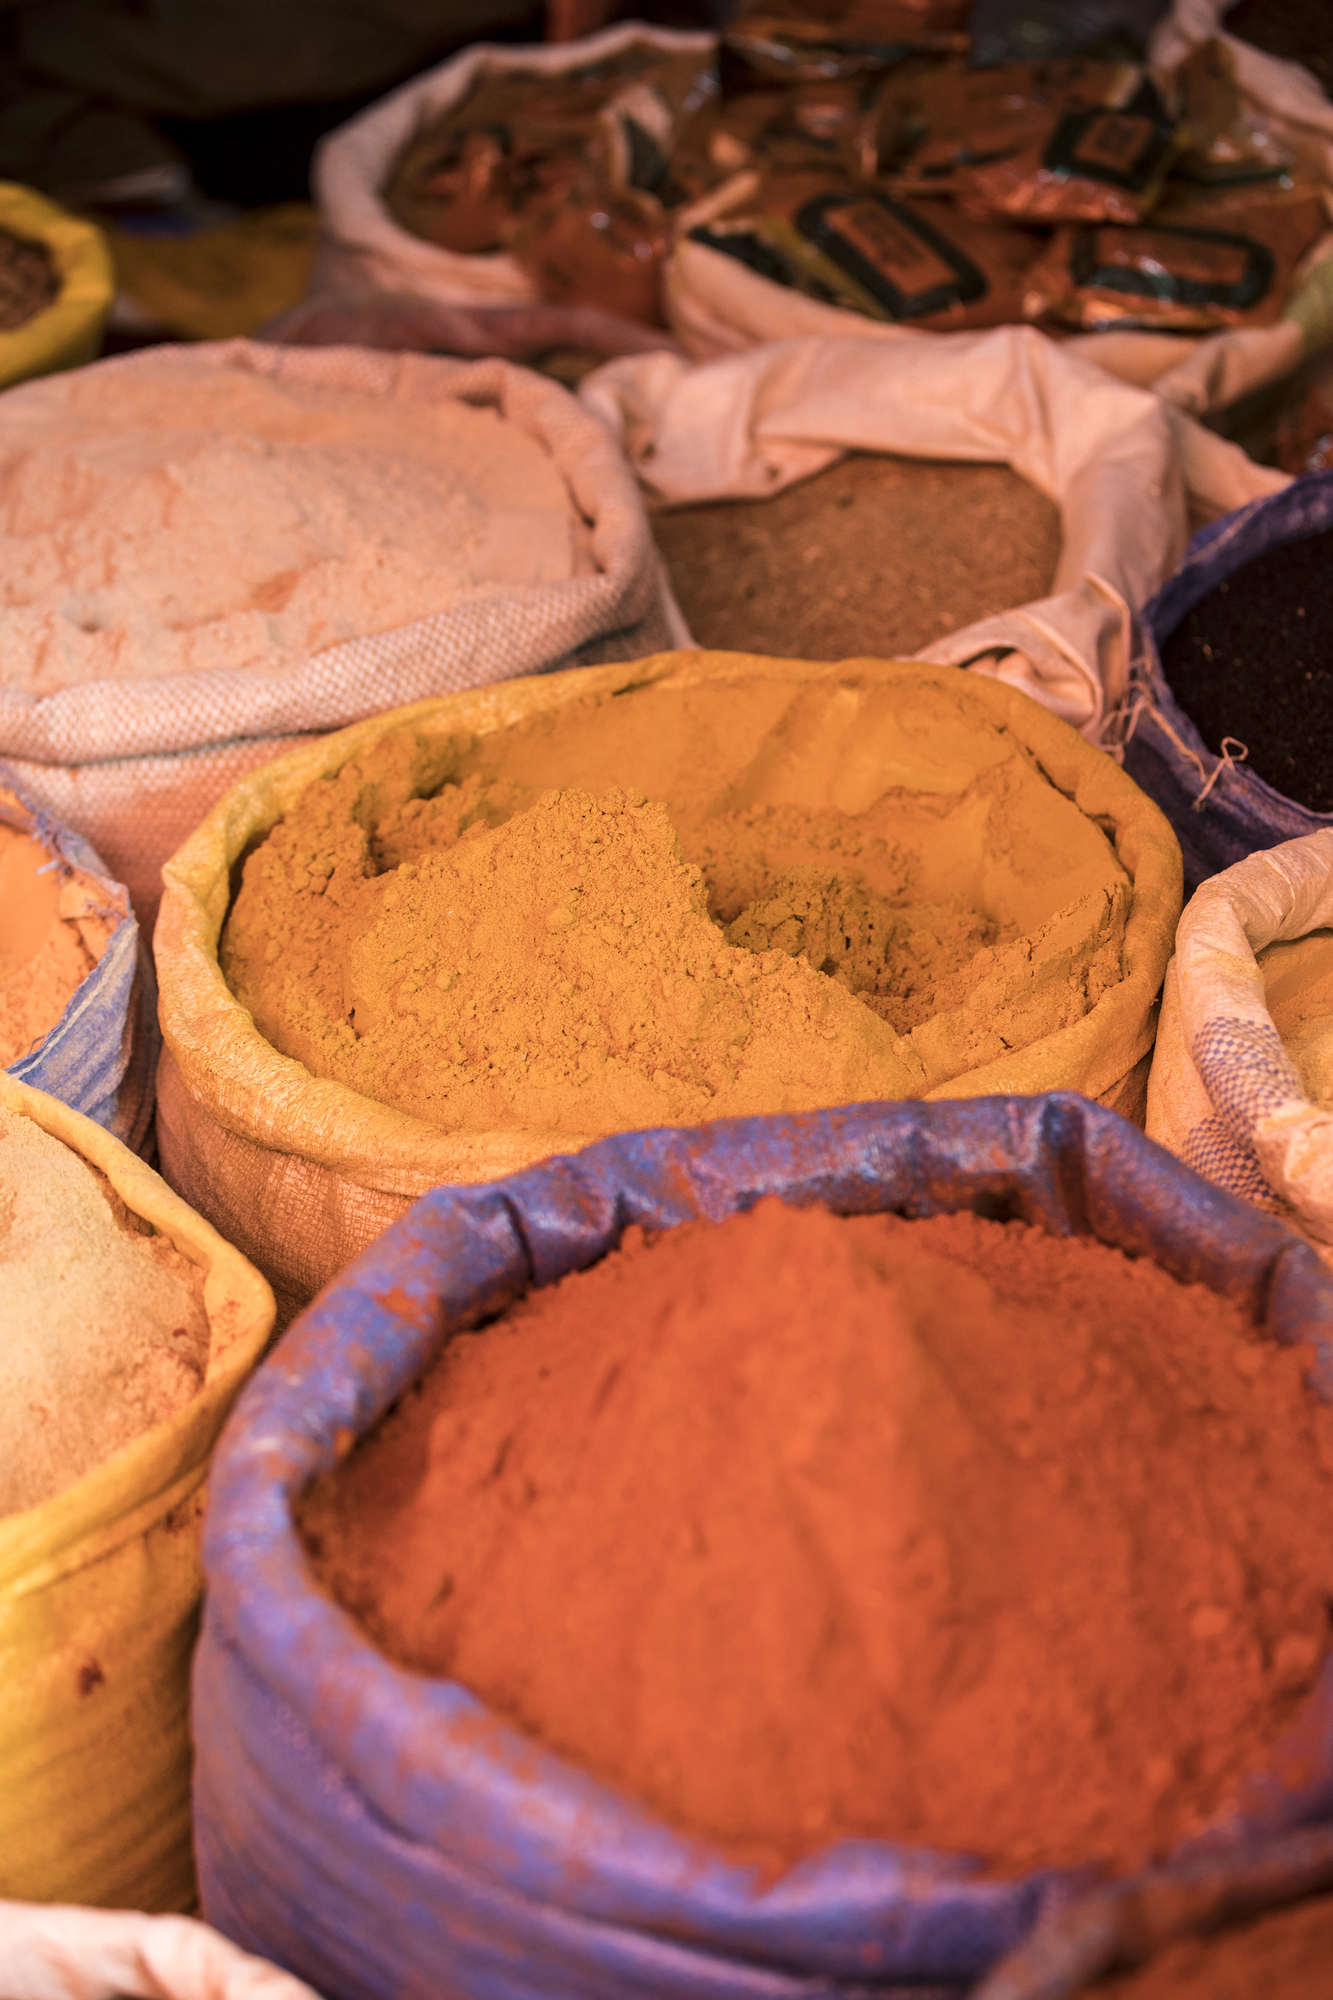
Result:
[[870, 249], [1209, 258]]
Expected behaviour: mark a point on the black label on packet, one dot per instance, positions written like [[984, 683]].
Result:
[[903, 262]]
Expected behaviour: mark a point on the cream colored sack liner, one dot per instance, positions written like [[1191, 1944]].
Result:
[[303, 1171], [1250, 1127], [99, 1588], [1128, 473]]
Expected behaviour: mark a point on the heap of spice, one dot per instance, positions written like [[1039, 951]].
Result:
[[105, 1329], [804, 1527], [1253, 661], [179, 516], [54, 926], [877, 555], [509, 933]]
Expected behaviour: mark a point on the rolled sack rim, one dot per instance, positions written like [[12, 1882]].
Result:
[[138, 1484], [378, 1147], [431, 1764]]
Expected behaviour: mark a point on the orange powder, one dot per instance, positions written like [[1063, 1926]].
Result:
[[54, 927], [801, 1527]]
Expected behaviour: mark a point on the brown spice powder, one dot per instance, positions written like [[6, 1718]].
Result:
[[54, 927], [877, 555], [1286, 1955], [801, 1527]]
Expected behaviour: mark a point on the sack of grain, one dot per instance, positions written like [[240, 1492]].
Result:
[[1229, 719], [333, 1784], [347, 531], [303, 1169], [56, 286], [1242, 1076], [130, 1325], [78, 1001], [1118, 464], [62, 1953]]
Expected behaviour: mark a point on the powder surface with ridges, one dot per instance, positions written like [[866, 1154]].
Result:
[[182, 519], [435, 928], [801, 1527], [103, 1332]]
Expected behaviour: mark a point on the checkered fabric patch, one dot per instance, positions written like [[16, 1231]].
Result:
[[1212, 1152], [1246, 1072]]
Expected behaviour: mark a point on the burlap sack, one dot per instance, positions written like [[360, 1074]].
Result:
[[99, 1598], [69, 330], [133, 765], [302, 1173], [1242, 1075]]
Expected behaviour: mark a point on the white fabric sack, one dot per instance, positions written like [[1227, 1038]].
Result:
[[1117, 463], [363, 248], [134, 765], [1225, 1095], [54, 1952]]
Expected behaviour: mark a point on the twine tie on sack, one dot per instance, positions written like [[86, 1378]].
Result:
[[1226, 762]]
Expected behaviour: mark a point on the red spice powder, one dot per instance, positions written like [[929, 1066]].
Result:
[[1286, 1955], [801, 1526]]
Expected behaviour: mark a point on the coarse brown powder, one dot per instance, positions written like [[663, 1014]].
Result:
[[877, 555], [801, 1527]]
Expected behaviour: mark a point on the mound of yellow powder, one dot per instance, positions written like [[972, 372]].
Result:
[[443, 932]]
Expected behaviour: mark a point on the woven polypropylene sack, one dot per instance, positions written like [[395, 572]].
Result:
[[1220, 809], [100, 1058], [381, 1831], [303, 1172], [99, 1596], [1225, 1093], [69, 330], [133, 764]]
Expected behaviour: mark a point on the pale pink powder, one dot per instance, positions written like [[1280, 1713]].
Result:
[[182, 518]]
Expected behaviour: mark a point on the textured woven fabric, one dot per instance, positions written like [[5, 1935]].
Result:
[[301, 1172], [1224, 1095], [133, 765]]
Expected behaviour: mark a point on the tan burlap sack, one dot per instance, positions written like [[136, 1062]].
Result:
[[62, 1953], [303, 1172], [99, 1598], [134, 764]]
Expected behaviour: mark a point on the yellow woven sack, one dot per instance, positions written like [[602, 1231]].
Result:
[[303, 1172], [99, 1599], [68, 332]]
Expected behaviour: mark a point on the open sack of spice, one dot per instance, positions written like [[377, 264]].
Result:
[[210, 553], [56, 285], [78, 1001], [60, 1952], [786, 1555], [1229, 719], [129, 1326], [483, 930], [1242, 1074], [1123, 469]]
